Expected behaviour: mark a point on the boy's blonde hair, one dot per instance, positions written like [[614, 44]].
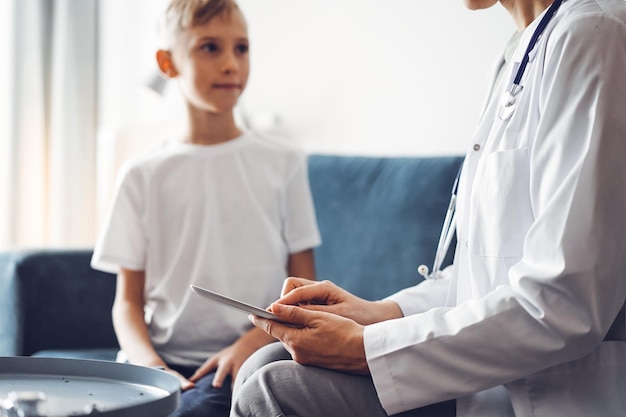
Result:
[[183, 14]]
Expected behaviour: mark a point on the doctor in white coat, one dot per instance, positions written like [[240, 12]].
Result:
[[529, 319]]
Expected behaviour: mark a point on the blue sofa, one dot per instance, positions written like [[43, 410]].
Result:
[[379, 218]]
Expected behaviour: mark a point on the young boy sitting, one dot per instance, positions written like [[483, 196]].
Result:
[[219, 208]]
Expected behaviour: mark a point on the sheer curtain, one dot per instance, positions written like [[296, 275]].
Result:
[[6, 76], [48, 123]]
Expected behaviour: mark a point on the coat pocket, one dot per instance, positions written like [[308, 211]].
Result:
[[500, 210]]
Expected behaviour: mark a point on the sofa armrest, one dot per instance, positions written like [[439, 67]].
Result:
[[51, 299]]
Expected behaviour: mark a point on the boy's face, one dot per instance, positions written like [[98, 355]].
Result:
[[211, 62], [479, 4]]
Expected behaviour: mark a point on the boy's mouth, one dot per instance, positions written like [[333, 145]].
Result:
[[228, 86]]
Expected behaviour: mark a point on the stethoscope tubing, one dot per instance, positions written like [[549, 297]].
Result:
[[445, 238], [447, 232], [533, 40]]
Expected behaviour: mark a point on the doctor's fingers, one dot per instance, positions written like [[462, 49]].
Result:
[[327, 341], [298, 321], [315, 292], [291, 338], [271, 327], [294, 282]]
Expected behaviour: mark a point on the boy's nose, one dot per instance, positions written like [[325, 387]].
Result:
[[229, 63]]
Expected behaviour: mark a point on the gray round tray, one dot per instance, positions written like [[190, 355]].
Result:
[[79, 387]]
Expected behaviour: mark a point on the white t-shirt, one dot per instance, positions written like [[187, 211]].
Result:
[[225, 217]]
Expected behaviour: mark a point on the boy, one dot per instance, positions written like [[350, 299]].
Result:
[[218, 208]]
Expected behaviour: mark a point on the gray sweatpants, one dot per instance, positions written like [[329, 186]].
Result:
[[270, 384]]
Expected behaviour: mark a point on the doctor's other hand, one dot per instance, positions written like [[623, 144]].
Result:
[[327, 297], [317, 338]]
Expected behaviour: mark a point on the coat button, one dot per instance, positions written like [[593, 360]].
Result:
[[477, 147]]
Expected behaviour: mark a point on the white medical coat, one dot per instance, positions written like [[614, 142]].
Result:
[[518, 326]]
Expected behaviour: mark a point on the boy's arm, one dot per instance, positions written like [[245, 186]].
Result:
[[301, 264], [129, 323], [128, 319]]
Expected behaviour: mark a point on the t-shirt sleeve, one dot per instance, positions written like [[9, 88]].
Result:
[[122, 243], [301, 230]]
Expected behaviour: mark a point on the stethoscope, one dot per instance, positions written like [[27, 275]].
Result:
[[445, 237], [506, 110], [509, 98]]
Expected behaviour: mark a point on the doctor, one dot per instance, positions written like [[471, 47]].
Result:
[[529, 319]]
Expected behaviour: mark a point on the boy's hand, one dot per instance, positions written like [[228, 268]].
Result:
[[328, 297], [324, 339], [185, 384], [228, 361], [224, 361]]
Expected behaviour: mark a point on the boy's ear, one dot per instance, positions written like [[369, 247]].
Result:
[[166, 65]]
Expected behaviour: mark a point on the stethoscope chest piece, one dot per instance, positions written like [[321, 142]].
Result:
[[508, 102]]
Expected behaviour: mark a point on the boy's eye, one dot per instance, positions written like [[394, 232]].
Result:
[[242, 48], [209, 47]]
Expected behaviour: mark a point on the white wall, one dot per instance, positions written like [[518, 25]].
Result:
[[395, 77]]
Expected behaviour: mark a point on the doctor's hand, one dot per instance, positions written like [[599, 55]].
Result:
[[328, 297], [322, 339]]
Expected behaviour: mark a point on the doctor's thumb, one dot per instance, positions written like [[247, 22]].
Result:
[[289, 313]]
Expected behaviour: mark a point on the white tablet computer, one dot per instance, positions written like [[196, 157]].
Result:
[[240, 305]]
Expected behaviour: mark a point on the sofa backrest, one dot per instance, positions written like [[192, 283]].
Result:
[[380, 218], [53, 299]]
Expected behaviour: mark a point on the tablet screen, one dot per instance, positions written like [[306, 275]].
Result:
[[240, 305]]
